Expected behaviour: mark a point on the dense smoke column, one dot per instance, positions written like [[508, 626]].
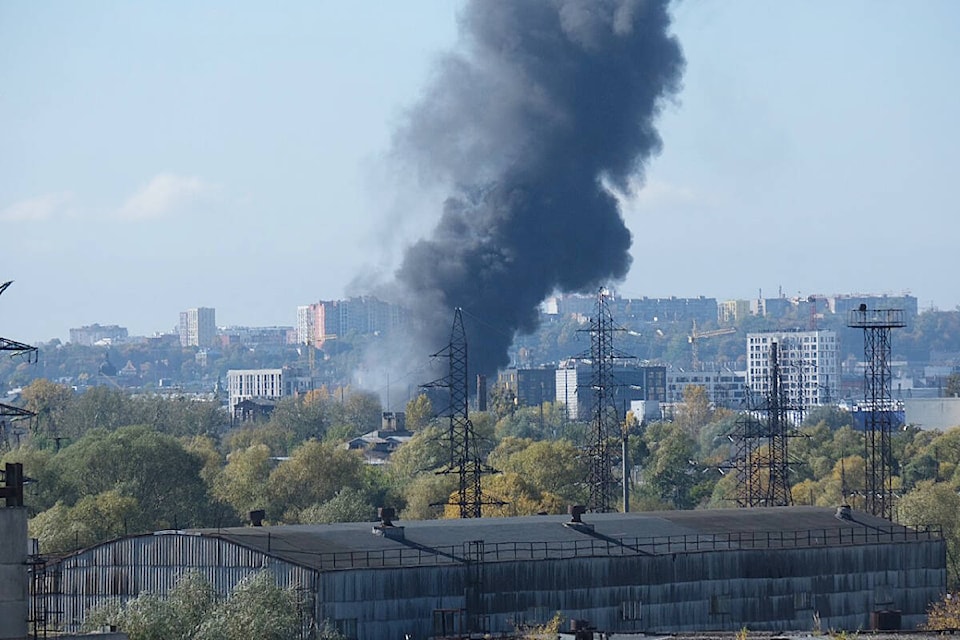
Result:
[[545, 102]]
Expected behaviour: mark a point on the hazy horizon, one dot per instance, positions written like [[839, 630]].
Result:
[[159, 157]]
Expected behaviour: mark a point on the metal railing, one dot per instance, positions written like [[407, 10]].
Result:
[[417, 555]]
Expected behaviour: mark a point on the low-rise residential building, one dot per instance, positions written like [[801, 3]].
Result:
[[92, 334]]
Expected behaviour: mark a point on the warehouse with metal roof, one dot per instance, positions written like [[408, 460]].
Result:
[[677, 571]]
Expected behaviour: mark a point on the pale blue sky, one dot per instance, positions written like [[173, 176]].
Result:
[[159, 156]]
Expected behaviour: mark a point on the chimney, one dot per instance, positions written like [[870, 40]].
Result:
[[481, 392]]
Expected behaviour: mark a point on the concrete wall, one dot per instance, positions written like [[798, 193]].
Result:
[[13, 573], [932, 413]]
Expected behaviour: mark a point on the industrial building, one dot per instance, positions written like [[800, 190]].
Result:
[[680, 571], [531, 387]]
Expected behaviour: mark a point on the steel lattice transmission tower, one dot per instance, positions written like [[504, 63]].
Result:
[[878, 453], [605, 432], [464, 460], [761, 460], [16, 349]]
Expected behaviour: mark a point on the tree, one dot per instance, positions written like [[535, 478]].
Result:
[[694, 412], [315, 472], [50, 401], [424, 452], [419, 412], [936, 503], [152, 468], [518, 496], [91, 520], [669, 471], [503, 401], [426, 494], [256, 608], [349, 505], [554, 467], [243, 482]]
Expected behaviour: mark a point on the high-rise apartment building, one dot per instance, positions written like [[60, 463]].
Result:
[[574, 386], [328, 319], [809, 363], [198, 327]]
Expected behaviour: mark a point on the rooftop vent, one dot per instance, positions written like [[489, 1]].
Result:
[[576, 511], [385, 527]]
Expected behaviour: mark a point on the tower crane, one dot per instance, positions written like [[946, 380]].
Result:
[[695, 336]]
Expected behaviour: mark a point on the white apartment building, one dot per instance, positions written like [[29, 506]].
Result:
[[809, 366], [724, 388], [244, 384], [272, 384], [306, 316]]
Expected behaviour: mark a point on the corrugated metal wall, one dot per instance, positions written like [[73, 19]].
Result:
[[123, 568], [776, 589], [716, 590]]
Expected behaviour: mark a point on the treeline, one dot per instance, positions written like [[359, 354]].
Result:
[[106, 463]]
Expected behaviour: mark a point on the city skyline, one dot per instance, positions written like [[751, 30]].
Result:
[[805, 152]]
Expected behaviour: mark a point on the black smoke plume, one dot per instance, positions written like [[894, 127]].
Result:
[[544, 105]]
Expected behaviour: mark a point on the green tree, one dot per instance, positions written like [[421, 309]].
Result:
[[424, 452], [243, 481], [256, 608], [50, 401], [670, 472], [419, 412], [91, 520], [425, 495], [554, 467], [936, 503], [515, 495], [152, 468], [349, 505], [694, 412], [315, 472]]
